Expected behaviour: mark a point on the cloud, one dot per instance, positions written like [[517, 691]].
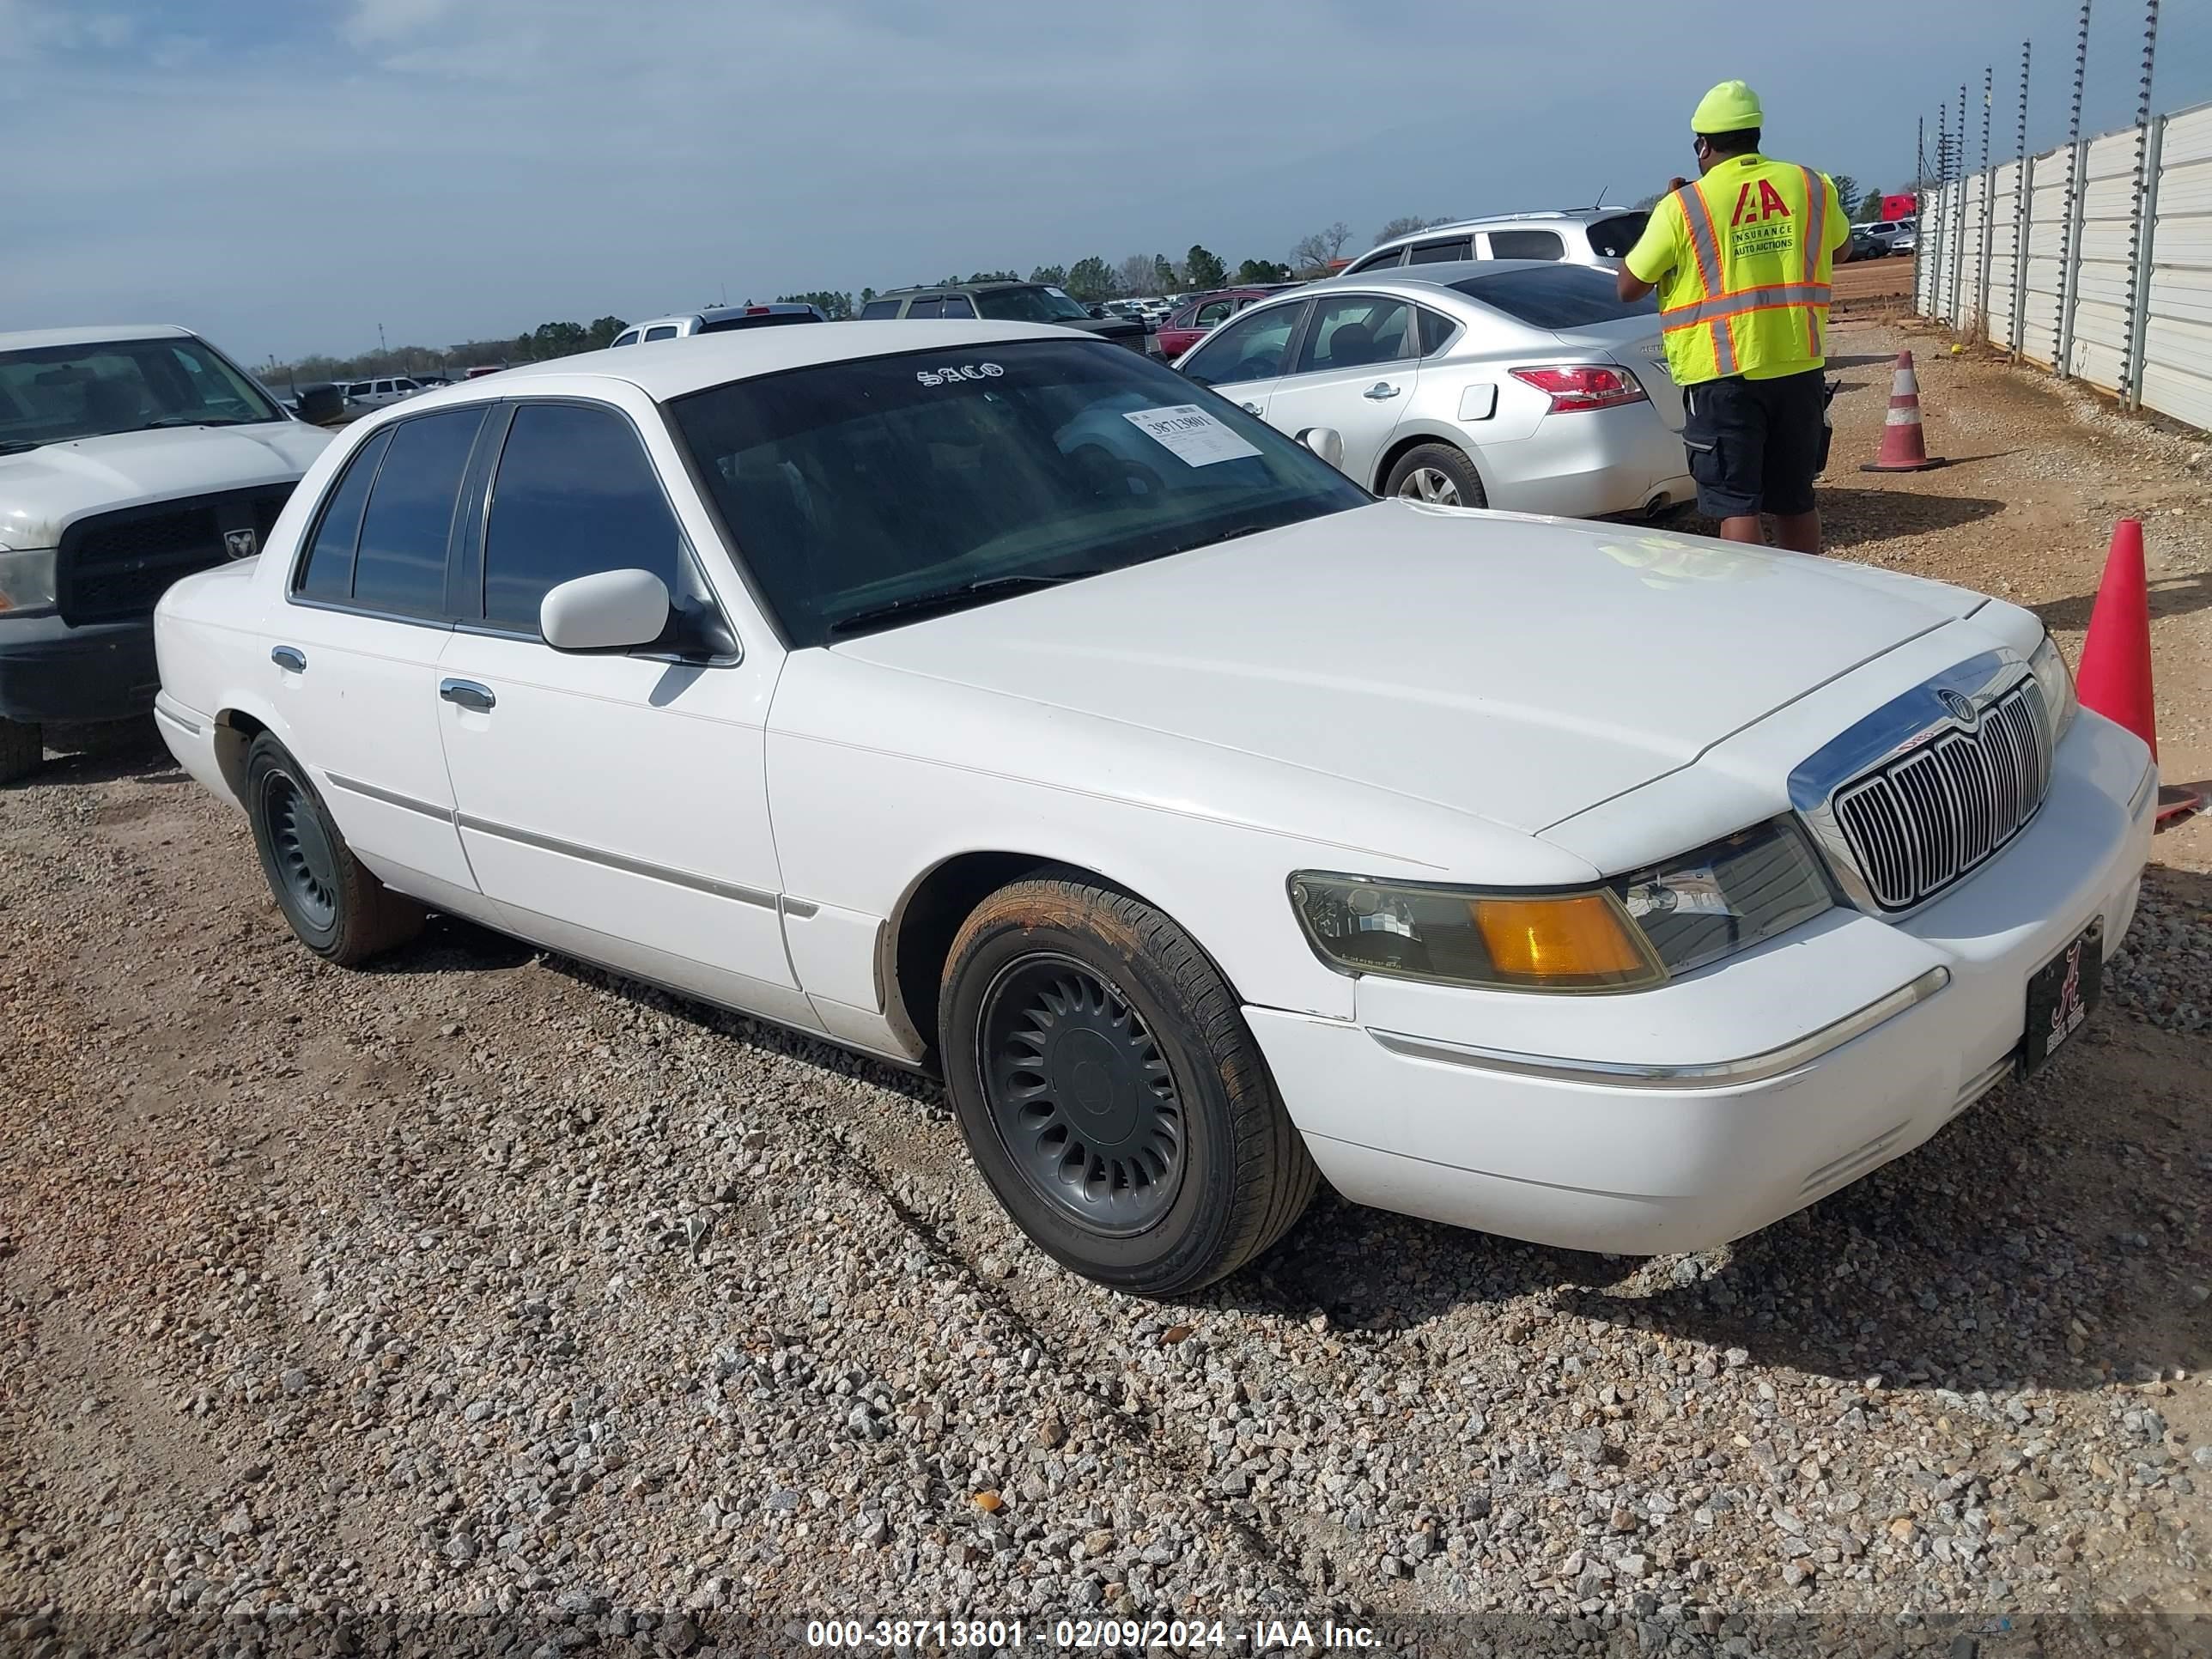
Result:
[[288, 176]]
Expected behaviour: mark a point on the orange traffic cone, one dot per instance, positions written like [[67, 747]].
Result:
[[2114, 678], [1903, 446]]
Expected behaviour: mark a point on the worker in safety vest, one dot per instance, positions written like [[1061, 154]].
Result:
[[1741, 260]]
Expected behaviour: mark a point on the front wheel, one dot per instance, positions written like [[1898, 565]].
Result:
[[1436, 473], [340, 911], [1110, 1091], [23, 746]]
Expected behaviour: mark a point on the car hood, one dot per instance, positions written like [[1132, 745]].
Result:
[[1517, 668], [43, 490]]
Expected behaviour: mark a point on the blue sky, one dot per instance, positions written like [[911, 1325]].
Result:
[[286, 174]]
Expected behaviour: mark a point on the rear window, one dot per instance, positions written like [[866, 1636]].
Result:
[[1611, 239], [1563, 297], [770, 319]]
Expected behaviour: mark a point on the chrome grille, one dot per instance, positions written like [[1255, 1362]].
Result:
[[1921, 821]]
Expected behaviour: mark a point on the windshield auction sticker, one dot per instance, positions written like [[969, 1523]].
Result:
[[1196, 438]]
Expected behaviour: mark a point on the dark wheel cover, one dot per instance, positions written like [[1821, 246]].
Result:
[[307, 864], [1110, 1091], [1081, 1095], [340, 911]]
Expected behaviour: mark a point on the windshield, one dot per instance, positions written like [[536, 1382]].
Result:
[[860, 493], [52, 394], [1556, 296], [1030, 305]]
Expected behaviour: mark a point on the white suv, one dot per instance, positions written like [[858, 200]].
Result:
[[374, 394], [1582, 236]]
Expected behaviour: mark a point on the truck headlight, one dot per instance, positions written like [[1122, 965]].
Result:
[[26, 579], [2055, 681], [1633, 932]]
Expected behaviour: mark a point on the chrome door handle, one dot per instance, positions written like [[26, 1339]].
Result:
[[1380, 390], [468, 693], [1249, 408], [289, 657]]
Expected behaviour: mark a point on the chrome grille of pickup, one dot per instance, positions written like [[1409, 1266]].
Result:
[[1921, 821]]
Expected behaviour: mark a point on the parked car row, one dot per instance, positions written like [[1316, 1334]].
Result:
[[994, 703]]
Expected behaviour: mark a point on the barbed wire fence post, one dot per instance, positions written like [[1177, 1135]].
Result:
[[1919, 202], [1959, 248], [2023, 198], [2062, 327], [2142, 222]]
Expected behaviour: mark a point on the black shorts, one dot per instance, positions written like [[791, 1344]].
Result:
[[1756, 446]]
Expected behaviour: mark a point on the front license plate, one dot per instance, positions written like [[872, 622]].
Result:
[[2062, 995]]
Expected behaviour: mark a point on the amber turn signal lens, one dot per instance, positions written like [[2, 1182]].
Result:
[[1580, 941]]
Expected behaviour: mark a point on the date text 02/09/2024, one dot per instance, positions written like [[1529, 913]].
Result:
[[996, 1635]]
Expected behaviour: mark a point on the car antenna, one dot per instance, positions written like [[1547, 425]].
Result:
[[1601, 198]]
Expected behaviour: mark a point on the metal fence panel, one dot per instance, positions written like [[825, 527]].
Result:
[[2177, 376], [2004, 202], [2047, 213], [2100, 305]]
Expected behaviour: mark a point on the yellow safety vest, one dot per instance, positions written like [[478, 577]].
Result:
[[1750, 295]]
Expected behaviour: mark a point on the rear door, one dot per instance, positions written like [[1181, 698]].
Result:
[[355, 656], [1244, 358], [1355, 371]]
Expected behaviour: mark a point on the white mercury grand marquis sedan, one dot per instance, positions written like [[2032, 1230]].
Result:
[[992, 699]]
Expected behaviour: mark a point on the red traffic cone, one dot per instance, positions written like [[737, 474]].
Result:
[[1903, 446], [2114, 678]]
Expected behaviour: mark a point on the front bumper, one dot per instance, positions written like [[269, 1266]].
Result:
[[1413, 1106], [50, 673], [1587, 465]]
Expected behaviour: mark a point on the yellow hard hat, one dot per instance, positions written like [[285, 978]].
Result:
[[1731, 106]]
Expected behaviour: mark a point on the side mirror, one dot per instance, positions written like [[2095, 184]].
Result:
[[611, 611], [1327, 442], [321, 405]]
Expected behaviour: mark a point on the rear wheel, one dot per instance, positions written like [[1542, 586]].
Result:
[[23, 746], [1436, 473], [1110, 1091], [340, 911]]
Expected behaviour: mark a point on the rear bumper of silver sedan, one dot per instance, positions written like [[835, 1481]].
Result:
[[1588, 464]]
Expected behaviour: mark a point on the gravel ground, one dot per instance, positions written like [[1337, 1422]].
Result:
[[484, 1290]]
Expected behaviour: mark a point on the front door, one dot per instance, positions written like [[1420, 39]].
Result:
[[613, 804], [1355, 372]]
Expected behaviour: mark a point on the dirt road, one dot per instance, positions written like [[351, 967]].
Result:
[[479, 1285]]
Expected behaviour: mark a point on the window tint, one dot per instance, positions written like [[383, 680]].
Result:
[[1436, 330], [328, 573], [876, 309], [575, 495], [1448, 251], [628, 336], [665, 332], [1247, 348], [1212, 312], [1355, 331], [402, 563], [932, 306], [1611, 239], [1573, 296], [1396, 256], [958, 305], [1527, 244]]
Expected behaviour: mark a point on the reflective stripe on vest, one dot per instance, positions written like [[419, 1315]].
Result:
[[1719, 306], [1700, 220]]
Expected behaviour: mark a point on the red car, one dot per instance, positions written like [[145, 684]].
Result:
[[1194, 319]]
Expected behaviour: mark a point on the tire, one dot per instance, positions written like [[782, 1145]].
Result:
[[340, 911], [21, 748], [1438, 473], [1084, 1031]]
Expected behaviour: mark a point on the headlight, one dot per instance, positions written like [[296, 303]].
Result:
[[1728, 896], [2055, 681], [1633, 932], [26, 579]]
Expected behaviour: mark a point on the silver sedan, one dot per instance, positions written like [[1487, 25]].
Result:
[[1512, 384]]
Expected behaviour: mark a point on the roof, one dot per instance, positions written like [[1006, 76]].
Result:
[[956, 287], [1546, 216], [31, 339], [670, 368]]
